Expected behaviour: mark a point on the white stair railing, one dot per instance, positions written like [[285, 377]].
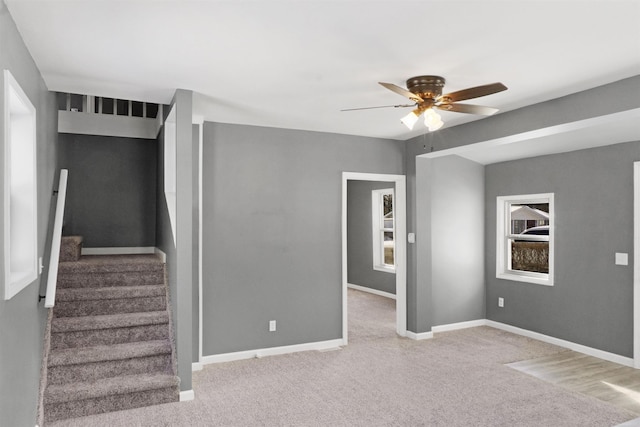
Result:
[[52, 279]]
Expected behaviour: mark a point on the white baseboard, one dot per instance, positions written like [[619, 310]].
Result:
[[371, 291], [196, 366], [589, 351], [459, 325], [187, 395], [419, 336], [119, 250], [273, 351], [162, 255]]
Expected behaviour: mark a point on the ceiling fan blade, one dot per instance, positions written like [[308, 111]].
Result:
[[468, 108], [382, 106], [472, 92], [400, 91]]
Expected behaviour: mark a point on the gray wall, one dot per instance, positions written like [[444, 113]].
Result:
[[271, 232], [22, 319], [360, 239], [591, 302], [179, 255], [450, 247], [111, 194]]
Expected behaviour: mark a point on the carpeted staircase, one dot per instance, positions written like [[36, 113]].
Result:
[[110, 344]]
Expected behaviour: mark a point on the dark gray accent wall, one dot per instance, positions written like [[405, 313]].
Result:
[[22, 318], [111, 194], [179, 256], [272, 232], [450, 243], [360, 239], [591, 302]]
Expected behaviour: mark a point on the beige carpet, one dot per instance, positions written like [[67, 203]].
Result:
[[456, 379]]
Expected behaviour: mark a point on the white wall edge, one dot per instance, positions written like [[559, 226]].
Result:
[[636, 264], [187, 395], [272, 351], [460, 325], [419, 336], [371, 291], [196, 366], [200, 226], [119, 250], [589, 351]]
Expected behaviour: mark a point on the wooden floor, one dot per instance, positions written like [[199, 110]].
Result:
[[619, 385]]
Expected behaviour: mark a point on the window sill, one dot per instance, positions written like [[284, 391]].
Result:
[[538, 279], [384, 269]]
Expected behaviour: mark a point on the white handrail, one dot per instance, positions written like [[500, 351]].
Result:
[[52, 279]]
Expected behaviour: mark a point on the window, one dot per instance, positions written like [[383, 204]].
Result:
[[20, 185], [383, 230], [524, 242]]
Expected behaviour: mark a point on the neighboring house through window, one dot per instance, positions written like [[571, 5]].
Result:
[[383, 230], [525, 238]]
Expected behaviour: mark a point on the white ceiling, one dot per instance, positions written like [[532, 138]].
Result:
[[297, 63]]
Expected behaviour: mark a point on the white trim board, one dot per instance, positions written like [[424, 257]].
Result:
[[187, 395], [371, 291], [636, 265], [400, 251], [272, 351], [119, 250], [196, 366], [419, 336], [601, 354], [460, 325]]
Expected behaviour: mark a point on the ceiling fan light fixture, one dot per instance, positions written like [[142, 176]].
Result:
[[410, 119], [432, 120]]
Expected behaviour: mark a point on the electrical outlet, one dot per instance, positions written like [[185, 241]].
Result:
[[272, 325], [500, 302]]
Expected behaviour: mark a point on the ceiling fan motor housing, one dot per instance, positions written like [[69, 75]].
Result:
[[426, 87]]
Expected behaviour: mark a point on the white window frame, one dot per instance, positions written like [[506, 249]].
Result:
[[503, 237], [378, 230], [20, 189]]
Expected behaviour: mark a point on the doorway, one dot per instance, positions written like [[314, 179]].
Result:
[[399, 182]]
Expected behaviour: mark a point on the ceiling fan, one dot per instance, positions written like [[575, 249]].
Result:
[[426, 93]]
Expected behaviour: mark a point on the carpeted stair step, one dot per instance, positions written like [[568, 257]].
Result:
[[111, 270], [73, 302], [99, 362], [109, 346], [70, 248], [111, 394], [85, 331]]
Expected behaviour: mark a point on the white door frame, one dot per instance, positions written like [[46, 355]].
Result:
[[400, 213], [636, 265]]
